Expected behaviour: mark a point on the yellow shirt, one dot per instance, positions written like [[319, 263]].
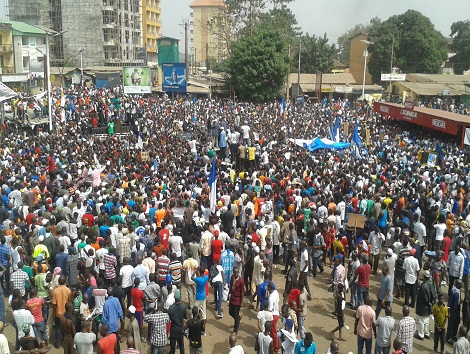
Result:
[[251, 153], [41, 249]]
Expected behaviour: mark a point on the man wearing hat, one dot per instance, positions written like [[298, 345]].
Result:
[[411, 267], [133, 329], [424, 303], [177, 313]]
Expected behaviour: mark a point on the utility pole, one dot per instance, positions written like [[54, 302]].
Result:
[[298, 73], [186, 27], [391, 68]]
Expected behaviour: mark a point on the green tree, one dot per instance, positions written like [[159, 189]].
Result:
[[245, 15], [258, 65], [316, 54], [418, 46], [344, 41], [460, 31]]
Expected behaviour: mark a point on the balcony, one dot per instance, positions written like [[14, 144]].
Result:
[[8, 70], [6, 48]]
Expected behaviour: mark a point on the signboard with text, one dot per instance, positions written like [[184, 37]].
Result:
[[174, 77], [413, 116], [395, 77]]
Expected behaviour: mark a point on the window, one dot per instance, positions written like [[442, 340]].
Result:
[[32, 41]]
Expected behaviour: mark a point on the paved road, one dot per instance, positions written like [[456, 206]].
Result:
[[319, 321]]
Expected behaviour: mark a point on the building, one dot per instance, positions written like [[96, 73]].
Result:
[[341, 85], [356, 59], [109, 31], [426, 88], [22, 49], [168, 50], [151, 28], [208, 31]]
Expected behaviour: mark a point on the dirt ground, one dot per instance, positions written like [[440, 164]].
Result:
[[319, 321]]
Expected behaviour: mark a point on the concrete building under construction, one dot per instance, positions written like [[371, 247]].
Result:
[[110, 31]]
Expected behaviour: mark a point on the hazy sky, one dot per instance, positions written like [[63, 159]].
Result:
[[334, 17]]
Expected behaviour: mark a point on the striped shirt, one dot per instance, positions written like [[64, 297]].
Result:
[[110, 264], [163, 263], [175, 269]]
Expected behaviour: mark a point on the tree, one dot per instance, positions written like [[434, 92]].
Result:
[[460, 31], [316, 54], [344, 41], [244, 15], [418, 46], [258, 65]]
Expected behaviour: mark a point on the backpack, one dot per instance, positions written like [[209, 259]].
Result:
[[213, 272]]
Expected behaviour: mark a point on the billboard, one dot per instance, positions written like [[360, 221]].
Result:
[[136, 79], [174, 77], [394, 77]]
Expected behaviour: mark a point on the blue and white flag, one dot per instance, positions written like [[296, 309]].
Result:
[[356, 142], [283, 106], [213, 186]]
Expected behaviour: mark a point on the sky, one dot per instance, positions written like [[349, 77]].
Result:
[[334, 17]]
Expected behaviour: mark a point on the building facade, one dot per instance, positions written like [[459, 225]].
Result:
[[208, 31], [109, 31], [22, 49], [151, 28], [356, 59]]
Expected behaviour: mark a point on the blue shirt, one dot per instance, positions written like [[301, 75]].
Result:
[[61, 261], [226, 261], [263, 292], [112, 311], [223, 139], [301, 349], [4, 256], [201, 287], [466, 264]]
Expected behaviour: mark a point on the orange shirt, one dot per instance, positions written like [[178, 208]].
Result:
[[159, 215], [60, 297]]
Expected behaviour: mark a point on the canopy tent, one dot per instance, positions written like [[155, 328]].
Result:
[[6, 93], [326, 144]]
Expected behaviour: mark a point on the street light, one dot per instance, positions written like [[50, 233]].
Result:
[[81, 65], [48, 73], [366, 53]]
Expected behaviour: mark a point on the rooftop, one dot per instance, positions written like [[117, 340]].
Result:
[[23, 29], [207, 3]]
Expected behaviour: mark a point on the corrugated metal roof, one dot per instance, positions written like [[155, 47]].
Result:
[[207, 3], [435, 89], [438, 78], [21, 29], [340, 78]]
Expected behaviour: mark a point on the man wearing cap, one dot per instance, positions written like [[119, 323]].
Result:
[[133, 330], [21, 316], [411, 267], [424, 303], [177, 314]]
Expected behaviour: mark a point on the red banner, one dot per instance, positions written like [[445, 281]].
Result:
[[424, 119]]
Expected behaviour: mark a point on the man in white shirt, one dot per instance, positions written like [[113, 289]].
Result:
[[176, 244], [411, 267], [273, 306], [234, 347], [126, 274], [420, 230], [303, 277], [376, 240], [455, 263]]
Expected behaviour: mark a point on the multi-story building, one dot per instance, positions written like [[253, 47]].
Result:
[[21, 54], [109, 31], [208, 31], [151, 28]]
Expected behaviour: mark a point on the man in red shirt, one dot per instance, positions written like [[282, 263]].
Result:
[[35, 305], [217, 247], [362, 274], [108, 341], [137, 297], [164, 234], [235, 294]]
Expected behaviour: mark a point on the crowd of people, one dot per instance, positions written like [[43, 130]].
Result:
[[97, 233]]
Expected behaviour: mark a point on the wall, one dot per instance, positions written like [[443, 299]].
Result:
[[356, 59]]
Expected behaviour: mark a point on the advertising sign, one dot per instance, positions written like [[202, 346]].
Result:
[[136, 79], [174, 77], [416, 116], [395, 77]]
